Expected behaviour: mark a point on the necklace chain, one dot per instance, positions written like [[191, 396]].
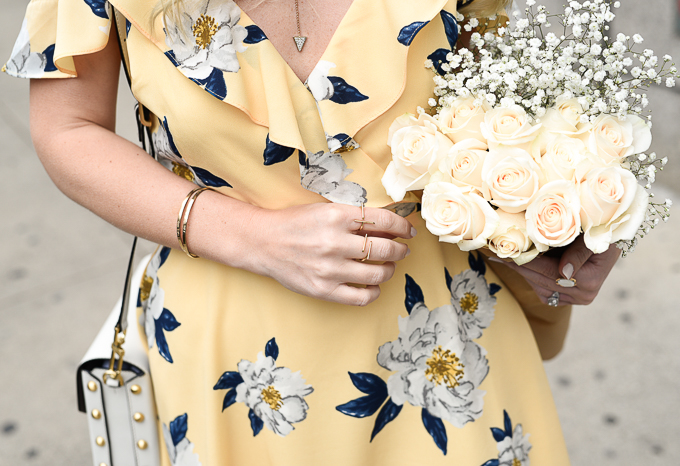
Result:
[[299, 39], [297, 17]]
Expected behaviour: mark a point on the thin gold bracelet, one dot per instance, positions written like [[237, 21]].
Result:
[[183, 219]]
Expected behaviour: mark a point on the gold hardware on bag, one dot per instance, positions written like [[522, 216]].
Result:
[[136, 389], [91, 386], [142, 117], [116, 350], [96, 414], [142, 444], [100, 441], [138, 417]]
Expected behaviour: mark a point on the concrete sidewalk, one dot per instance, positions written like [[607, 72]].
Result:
[[616, 385]]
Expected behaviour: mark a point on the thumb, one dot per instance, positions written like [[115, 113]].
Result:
[[574, 257]]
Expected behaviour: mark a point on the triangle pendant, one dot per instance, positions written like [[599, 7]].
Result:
[[299, 42]]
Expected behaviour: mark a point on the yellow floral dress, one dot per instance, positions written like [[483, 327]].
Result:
[[441, 369]]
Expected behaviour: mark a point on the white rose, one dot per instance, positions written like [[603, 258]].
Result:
[[563, 119], [463, 163], [566, 159], [553, 218], [458, 215], [463, 119], [511, 239], [508, 126], [613, 139], [510, 178], [417, 149], [613, 207]]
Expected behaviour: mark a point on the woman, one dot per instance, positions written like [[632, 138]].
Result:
[[262, 330]]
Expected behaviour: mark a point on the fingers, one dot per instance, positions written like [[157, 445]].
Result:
[[375, 249], [380, 221], [574, 257], [354, 296]]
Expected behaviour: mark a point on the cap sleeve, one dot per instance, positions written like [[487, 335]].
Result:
[[53, 32]]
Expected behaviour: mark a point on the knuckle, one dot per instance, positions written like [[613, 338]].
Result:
[[335, 214]]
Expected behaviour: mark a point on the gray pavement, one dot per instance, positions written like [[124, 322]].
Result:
[[616, 385]]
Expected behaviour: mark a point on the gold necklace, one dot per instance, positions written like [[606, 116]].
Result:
[[299, 39]]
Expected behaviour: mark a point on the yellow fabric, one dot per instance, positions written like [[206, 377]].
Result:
[[206, 323]]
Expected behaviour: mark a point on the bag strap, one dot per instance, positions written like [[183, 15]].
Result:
[[144, 131]]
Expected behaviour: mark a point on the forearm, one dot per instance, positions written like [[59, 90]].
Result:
[[119, 182]]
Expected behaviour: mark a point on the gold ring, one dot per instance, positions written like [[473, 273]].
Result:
[[566, 283], [365, 241], [363, 220], [368, 254]]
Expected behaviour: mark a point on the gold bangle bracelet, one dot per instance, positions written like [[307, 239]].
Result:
[[183, 219]]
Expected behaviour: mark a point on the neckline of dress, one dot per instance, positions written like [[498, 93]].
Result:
[[323, 55]]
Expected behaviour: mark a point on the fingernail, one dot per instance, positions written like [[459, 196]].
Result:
[[408, 251], [568, 271], [413, 232]]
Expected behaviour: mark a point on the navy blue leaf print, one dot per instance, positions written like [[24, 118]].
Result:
[[178, 428], [302, 159], [49, 59], [165, 252], [343, 138], [387, 414], [171, 140], [408, 33], [414, 294], [209, 179], [449, 280], [128, 24], [255, 422], [477, 263], [498, 434], [272, 349], [275, 153], [438, 57], [369, 383], [162, 344], [507, 423], [362, 407], [255, 35], [229, 399], [167, 321], [450, 27], [435, 427], [229, 379], [494, 288], [344, 93], [216, 85], [493, 462], [139, 297], [171, 55], [98, 7]]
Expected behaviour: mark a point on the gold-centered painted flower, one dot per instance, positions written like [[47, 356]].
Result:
[[516, 462], [469, 303], [272, 397], [444, 366], [204, 29], [181, 170], [145, 288]]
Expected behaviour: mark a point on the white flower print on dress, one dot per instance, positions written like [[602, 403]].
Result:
[[513, 446], [26, 64], [207, 38], [324, 173], [437, 367], [180, 449], [473, 302], [155, 317], [275, 395], [318, 83]]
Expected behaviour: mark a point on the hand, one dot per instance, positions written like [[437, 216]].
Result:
[[313, 250], [577, 262]]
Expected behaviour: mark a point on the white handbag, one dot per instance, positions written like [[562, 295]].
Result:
[[115, 389]]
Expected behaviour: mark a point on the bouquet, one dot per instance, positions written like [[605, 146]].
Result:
[[535, 138]]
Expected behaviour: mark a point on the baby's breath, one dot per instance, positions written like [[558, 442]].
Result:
[[534, 67]]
